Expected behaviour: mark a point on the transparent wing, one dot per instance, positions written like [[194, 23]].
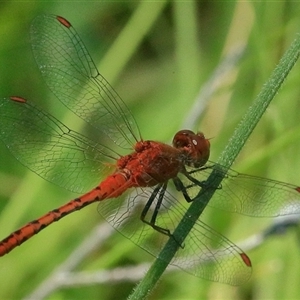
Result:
[[72, 76], [206, 253], [50, 149], [249, 195]]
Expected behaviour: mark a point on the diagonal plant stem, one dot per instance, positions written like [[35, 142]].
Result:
[[234, 146]]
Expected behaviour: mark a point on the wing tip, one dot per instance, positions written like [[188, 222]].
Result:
[[246, 259], [18, 99], [63, 21]]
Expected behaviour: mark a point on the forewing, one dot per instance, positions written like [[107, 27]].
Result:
[[72, 76], [245, 194]]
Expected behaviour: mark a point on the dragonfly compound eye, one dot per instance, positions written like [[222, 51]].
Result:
[[195, 147]]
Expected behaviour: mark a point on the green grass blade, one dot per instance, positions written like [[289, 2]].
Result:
[[226, 159]]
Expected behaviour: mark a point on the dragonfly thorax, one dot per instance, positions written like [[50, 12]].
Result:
[[151, 163]]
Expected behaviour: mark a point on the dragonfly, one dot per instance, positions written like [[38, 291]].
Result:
[[137, 183]]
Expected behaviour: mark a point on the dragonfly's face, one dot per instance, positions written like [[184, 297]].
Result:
[[194, 146]]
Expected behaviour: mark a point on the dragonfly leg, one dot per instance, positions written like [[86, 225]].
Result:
[[183, 189], [200, 169], [159, 192], [194, 182], [202, 184], [180, 187]]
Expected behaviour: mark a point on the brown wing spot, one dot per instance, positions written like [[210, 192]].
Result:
[[246, 259], [17, 99], [63, 21], [298, 189]]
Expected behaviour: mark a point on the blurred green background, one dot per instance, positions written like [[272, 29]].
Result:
[[157, 55]]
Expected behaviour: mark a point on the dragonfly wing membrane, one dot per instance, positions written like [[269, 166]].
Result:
[[256, 196], [49, 148], [205, 254], [71, 74], [245, 194]]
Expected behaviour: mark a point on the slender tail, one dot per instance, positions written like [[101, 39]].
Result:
[[112, 187]]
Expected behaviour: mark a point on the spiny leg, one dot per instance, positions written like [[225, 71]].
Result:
[[183, 189], [160, 192]]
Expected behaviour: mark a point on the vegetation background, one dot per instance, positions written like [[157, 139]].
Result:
[[158, 66]]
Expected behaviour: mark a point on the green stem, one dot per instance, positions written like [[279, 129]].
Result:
[[226, 159]]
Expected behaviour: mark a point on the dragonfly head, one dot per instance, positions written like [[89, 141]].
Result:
[[194, 147]]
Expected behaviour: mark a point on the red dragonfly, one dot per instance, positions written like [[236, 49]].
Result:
[[77, 163]]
